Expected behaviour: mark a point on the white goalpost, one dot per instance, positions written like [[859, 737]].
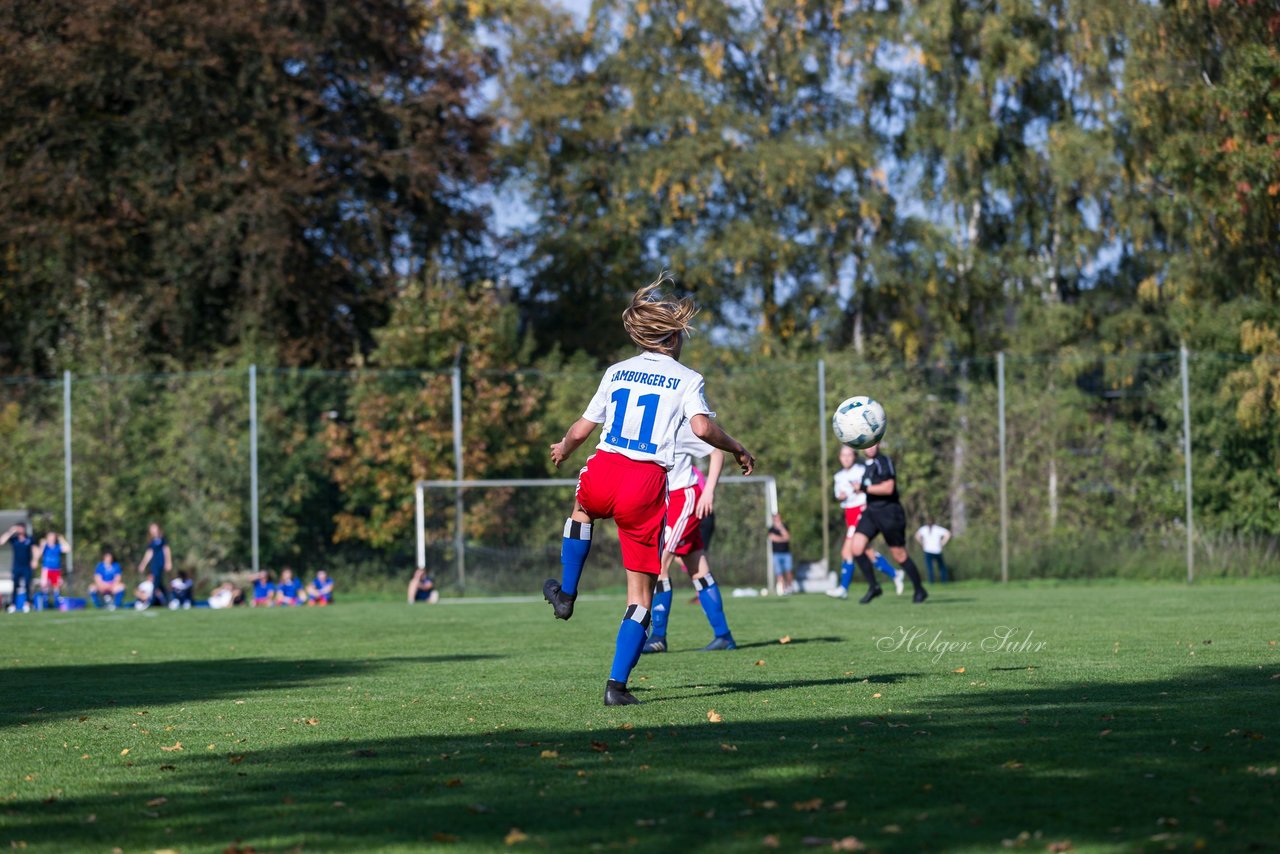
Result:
[[432, 513]]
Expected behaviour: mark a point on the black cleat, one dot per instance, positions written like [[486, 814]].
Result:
[[872, 592], [921, 595], [561, 602], [616, 694]]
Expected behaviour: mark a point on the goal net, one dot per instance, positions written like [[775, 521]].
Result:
[[503, 536]]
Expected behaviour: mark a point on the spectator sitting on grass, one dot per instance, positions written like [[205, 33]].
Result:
[[290, 592], [180, 591], [107, 587], [422, 588], [264, 591], [320, 591]]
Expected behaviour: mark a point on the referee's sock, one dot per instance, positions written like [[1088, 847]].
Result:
[[909, 567], [864, 564], [574, 549]]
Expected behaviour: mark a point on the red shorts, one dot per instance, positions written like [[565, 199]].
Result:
[[54, 576], [684, 528], [851, 517], [634, 495]]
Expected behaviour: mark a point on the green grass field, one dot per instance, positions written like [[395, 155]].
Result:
[[1145, 720]]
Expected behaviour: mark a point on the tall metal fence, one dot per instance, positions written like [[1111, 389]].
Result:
[[1120, 465]]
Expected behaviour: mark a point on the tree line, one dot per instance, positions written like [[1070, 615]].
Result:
[[405, 184]]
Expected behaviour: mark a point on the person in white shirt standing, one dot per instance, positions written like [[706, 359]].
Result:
[[932, 538]]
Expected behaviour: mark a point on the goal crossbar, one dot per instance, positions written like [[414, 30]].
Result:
[[421, 487]]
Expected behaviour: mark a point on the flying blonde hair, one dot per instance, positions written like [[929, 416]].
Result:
[[653, 317]]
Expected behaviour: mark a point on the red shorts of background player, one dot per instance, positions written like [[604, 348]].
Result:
[[684, 529], [54, 576], [634, 495], [851, 517]]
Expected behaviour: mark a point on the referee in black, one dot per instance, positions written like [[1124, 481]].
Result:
[[884, 515]]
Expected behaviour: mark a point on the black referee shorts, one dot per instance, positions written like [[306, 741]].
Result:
[[887, 519]]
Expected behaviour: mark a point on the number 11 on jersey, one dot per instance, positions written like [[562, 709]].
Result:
[[644, 441]]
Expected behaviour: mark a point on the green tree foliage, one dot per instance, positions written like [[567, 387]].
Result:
[[247, 172]]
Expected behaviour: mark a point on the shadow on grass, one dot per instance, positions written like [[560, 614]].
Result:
[[717, 689], [762, 644], [48, 692], [1132, 766]]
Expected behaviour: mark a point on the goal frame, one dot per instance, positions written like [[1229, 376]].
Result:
[[459, 530]]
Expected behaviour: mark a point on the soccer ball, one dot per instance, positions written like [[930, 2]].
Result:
[[859, 422]]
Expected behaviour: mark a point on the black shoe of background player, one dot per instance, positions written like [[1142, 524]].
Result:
[[921, 595], [561, 602], [872, 592], [616, 694]]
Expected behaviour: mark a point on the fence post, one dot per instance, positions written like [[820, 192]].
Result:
[[459, 510], [1186, 453], [253, 464], [1004, 484], [822, 461], [66, 457]]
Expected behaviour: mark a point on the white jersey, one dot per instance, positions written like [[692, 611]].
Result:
[[931, 538], [642, 403], [688, 448], [845, 480]]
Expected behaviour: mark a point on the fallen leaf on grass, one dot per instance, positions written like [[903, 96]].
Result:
[[157, 802], [177, 745], [714, 716], [168, 767], [892, 828], [515, 836], [958, 670], [849, 843], [785, 639], [812, 805], [839, 806], [1105, 732], [453, 784], [447, 838], [1262, 772], [760, 663], [876, 696], [312, 721], [235, 758], [1012, 765], [1064, 845], [599, 747], [84, 756], [124, 752], [729, 748], [770, 841], [550, 754]]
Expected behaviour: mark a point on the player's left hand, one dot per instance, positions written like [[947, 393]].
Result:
[[706, 505], [558, 454], [745, 460]]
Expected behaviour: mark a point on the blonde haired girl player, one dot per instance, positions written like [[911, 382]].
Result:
[[642, 402]]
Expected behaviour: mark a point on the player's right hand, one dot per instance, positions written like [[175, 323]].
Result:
[[557, 453], [745, 461]]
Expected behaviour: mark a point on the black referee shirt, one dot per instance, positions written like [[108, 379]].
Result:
[[878, 469]]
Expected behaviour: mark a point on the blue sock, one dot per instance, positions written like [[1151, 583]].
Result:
[[712, 604], [20, 600], [846, 573], [119, 598], [97, 598], [630, 641], [661, 608], [573, 554], [884, 565]]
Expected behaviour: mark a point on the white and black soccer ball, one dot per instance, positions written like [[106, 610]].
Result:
[[859, 422]]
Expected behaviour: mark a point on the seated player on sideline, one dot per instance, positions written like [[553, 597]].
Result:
[[320, 591], [853, 501], [291, 592], [264, 591], [182, 591], [51, 554], [688, 502], [643, 401], [422, 588], [107, 588], [884, 515]]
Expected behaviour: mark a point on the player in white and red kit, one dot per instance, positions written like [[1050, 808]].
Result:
[[690, 499], [642, 401]]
